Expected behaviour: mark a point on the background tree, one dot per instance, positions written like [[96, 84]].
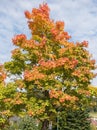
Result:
[[54, 72], [10, 100], [93, 98], [2, 77]]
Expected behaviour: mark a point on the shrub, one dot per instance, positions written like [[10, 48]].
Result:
[[26, 123], [74, 120]]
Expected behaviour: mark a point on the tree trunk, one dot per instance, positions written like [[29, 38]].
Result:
[[45, 125]]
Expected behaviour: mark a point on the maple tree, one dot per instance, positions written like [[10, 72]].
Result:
[[53, 71]]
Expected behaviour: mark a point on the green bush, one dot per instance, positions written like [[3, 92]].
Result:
[[74, 120], [26, 123]]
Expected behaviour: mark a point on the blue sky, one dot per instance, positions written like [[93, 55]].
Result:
[[80, 17]]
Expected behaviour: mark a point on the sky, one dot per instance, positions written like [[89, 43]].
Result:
[[80, 17]]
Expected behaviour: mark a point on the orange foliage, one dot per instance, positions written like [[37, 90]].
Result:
[[2, 74], [61, 96], [19, 39], [33, 75]]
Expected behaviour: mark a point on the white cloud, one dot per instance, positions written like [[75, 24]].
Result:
[[80, 17]]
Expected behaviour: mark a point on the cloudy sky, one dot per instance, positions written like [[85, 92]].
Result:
[[80, 17]]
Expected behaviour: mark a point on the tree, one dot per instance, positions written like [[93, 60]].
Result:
[[53, 71], [10, 102], [2, 77], [4, 107], [93, 98], [7, 93]]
